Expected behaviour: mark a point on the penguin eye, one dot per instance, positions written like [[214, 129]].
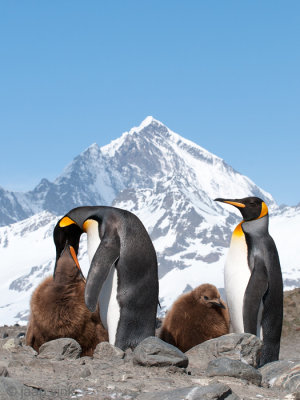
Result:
[[205, 297]]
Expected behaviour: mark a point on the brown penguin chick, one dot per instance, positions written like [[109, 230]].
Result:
[[195, 317], [58, 308]]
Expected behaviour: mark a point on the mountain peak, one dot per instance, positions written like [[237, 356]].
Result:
[[146, 122]]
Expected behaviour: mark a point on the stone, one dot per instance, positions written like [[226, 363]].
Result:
[[234, 368], [3, 371], [11, 344], [60, 349], [82, 372], [105, 350], [13, 389], [28, 350], [153, 351], [214, 391], [282, 374], [236, 346]]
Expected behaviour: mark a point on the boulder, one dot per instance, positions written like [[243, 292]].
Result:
[[11, 344], [153, 351], [282, 374], [3, 370], [234, 368], [13, 389], [60, 349], [105, 350], [236, 346], [215, 391]]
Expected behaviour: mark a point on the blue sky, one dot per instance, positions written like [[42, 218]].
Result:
[[225, 74]]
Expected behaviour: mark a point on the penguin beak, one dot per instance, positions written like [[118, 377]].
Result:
[[217, 303], [235, 203], [74, 256]]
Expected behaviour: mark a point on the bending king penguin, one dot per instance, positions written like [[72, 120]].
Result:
[[123, 271], [253, 279]]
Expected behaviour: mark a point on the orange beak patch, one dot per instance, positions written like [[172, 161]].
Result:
[[73, 254], [235, 203]]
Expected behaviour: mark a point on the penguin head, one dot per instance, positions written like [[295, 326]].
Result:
[[66, 235], [208, 296], [250, 207]]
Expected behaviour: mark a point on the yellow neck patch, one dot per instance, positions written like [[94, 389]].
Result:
[[88, 224], [238, 232]]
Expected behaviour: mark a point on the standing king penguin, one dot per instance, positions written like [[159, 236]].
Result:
[[253, 279], [123, 271]]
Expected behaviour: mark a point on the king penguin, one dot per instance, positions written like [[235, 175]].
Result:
[[195, 317], [253, 279], [123, 272], [58, 309]]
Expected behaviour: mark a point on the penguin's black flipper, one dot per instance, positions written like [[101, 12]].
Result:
[[106, 255], [256, 288]]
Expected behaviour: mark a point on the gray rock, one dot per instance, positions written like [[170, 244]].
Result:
[[28, 350], [3, 371], [234, 368], [60, 349], [282, 374], [236, 346], [12, 389], [153, 351], [105, 350], [82, 372], [216, 391], [11, 344]]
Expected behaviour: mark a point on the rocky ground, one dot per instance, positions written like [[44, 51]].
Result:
[[223, 368]]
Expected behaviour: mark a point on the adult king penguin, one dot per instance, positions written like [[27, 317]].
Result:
[[123, 271], [253, 280]]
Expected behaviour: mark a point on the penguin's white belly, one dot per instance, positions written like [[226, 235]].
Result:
[[109, 306], [237, 275]]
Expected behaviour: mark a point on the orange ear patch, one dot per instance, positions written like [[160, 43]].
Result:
[[66, 221], [264, 210]]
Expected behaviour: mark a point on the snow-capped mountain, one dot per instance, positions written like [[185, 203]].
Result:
[[169, 183], [139, 159]]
